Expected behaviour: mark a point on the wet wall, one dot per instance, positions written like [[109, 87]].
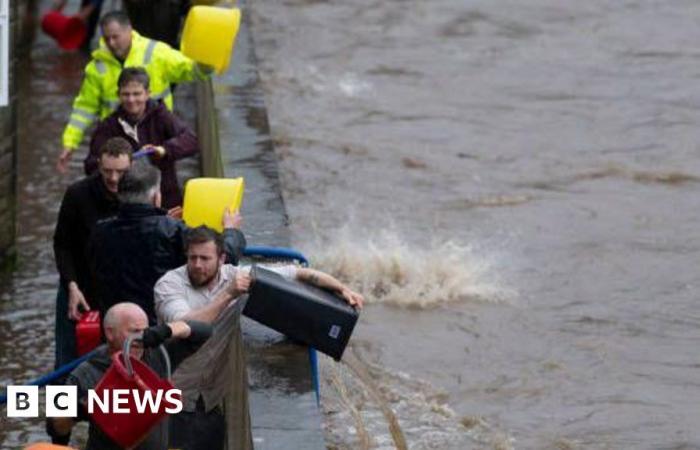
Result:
[[8, 147], [283, 408]]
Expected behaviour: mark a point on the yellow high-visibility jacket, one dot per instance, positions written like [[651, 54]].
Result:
[[98, 94]]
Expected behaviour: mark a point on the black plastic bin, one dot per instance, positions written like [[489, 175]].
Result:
[[303, 313]]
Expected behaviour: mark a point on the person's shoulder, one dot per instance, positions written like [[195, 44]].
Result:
[[80, 188], [111, 120], [87, 373], [160, 113], [174, 276]]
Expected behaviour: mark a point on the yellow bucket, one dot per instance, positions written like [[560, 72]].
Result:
[[209, 35], [206, 199]]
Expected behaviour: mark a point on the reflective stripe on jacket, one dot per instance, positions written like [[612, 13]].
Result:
[[98, 97]]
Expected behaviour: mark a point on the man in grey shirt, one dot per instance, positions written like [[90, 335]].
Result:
[[207, 290]]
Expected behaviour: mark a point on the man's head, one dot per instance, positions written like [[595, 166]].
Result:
[[116, 32], [141, 184], [205, 255], [133, 90], [114, 161], [121, 321]]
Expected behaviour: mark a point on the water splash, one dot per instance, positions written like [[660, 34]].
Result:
[[387, 269]]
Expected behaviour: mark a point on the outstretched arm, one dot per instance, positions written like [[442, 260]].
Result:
[[329, 282]]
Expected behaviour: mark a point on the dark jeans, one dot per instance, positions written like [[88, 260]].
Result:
[[198, 430], [64, 331], [157, 19], [91, 25]]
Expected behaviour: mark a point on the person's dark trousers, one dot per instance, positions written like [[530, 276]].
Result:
[[91, 25], [64, 331], [198, 430]]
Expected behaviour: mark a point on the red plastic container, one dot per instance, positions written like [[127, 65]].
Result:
[[69, 32], [128, 430], [87, 332]]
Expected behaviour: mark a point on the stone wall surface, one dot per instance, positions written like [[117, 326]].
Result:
[[8, 149]]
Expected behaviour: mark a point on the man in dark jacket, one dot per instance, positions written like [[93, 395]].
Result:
[[157, 19], [146, 123], [130, 252], [124, 320], [84, 203]]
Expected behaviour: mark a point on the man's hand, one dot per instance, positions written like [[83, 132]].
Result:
[[180, 329], [239, 285], [352, 297], [85, 11], [156, 335], [232, 219], [175, 213], [63, 160], [75, 300], [158, 150]]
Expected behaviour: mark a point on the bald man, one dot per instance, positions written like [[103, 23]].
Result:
[[123, 320]]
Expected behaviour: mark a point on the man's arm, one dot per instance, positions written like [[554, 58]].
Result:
[[180, 141], [62, 237], [329, 282], [170, 304], [66, 225], [178, 67], [181, 338], [86, 108], [238, 286], [234, 240]]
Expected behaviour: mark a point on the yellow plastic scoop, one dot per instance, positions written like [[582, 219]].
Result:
[[209, 35], [206, 199]]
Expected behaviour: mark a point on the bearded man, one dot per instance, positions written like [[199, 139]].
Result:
[[208, 290]]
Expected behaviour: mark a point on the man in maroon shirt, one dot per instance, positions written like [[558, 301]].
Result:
[[146, 124]]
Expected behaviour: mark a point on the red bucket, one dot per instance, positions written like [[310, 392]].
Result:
[[69, 32], [128, 430]]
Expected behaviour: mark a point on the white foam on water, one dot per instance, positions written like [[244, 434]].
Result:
[[386, 268], [348, 84]]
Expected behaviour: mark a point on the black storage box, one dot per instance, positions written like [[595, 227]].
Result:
[[303, 313]]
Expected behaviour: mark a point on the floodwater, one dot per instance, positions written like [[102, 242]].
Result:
[[48, 81], [514, 186]]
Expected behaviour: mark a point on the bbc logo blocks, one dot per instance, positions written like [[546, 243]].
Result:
[[23, 401]]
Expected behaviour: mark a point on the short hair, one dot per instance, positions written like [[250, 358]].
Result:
[[115, 147], [133, 74], [114, 315], [203, 234], [115, 16], [140, 183]]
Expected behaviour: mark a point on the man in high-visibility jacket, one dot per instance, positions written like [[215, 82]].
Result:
[[121, 47]]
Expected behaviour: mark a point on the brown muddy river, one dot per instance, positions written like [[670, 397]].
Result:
[[513, 184]]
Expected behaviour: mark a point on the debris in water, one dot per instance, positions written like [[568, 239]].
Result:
[[413, 163]]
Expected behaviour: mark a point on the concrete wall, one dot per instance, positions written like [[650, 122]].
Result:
[[8, 149]]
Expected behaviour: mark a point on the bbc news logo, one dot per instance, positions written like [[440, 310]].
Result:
[[62, 401]]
